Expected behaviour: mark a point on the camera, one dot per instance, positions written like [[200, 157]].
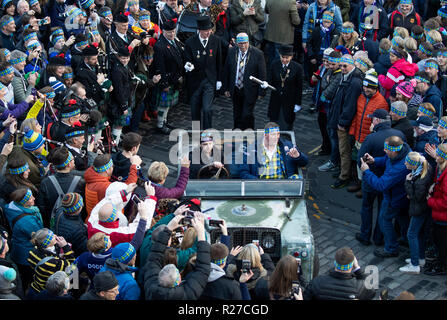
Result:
[[215, 223], [246, 266], [296, 288], [188, 216]]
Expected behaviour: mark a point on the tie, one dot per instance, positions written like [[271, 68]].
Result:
[[204, 43], [125, 38], [284, 70], [240, 74], [173, 43]]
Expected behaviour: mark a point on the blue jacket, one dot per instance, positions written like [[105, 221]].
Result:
[[128, 287], [383, 63], [92, 263], [434, 96], [21, 233], [430, 137], [392, 182], [251, 171], [373, 145], [311, 17]]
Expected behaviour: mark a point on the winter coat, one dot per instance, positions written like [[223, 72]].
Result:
[[396, 74], [417, 190], [392, 182], [314, 14], [47, 196], [329, 85], [438, 200], [96, 186], [361, 123], [15, 110], [220, 286], [397, 19], [344, 103], [430, 137], [91, 263], [176, 192], [317, 43], [91, 295], [189, 289], [434, 96], [247, 24], [21, 232], [358, 17], [128, 287], [383, 63], [283, 18], [21, 87], [72, 228], [406, 128], [338, 286]]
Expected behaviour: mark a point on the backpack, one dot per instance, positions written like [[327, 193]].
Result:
[[60, 195]]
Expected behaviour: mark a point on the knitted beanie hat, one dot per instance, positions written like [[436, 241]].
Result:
[[7, 276], [406, 89], [104, 281], [123, 252], [371, 79], [72, 203], [32, 140], [442, 12]]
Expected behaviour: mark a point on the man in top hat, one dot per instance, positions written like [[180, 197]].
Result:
[[70, 115], [74, 141], [287, 78], [121, 37], [168, 60], [88, 75], [203, 55], [243, 61]]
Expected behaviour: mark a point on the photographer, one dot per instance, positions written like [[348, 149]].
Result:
[[74, 141], [284, 283], [344, 282], [165, 283]]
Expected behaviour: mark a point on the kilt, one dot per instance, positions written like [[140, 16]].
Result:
[[166, 99], [122, 120]]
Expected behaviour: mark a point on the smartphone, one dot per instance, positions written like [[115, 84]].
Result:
[[215, 223], [246, 266], [186, 221], [365, 158], [135, 199]]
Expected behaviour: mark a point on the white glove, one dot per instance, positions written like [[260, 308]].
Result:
[[264, 85], [297, 108], [218, 85], [189, 67]]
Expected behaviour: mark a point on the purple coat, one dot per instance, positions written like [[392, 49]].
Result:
[[16, 110], [175, 192]]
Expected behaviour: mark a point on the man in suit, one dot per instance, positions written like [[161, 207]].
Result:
[[168, 59], [287, 77], [242, 62], [121, 37], [203, 55]]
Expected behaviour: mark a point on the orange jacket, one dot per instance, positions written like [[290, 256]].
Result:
[[96, 186], [361, 123]]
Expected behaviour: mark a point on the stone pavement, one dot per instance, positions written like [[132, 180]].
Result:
[[334, 214]]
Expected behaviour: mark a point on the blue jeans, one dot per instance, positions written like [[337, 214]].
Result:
[[416, 239], [367, 214], [386, 216], [335, 152]]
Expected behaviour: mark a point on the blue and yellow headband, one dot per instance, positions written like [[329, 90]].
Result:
[[416, 36], [442, 124], [7, 21], [392, 148], [220, 261], [343, 267], [177, 279], [27, 196], [68, 75], [431, 65], [412, 162], [442, 14], [50, 95], [333, 59], [271, 130], [421, 79], [30, 36], [423, 50], [48, 239], [398, 112], [106, 13], [56, 39], [362, 63], [347, 30], [347, 60], [105, 167], [442, 53], [406, 2], [74, 134], [19, 170], [66, 162], [430, 39], [7, 71], [71, 114], [17, 61], [425, 111], [442, 154], [144, 17], [82, 43], [327, 17], [241, 39], [112, 216]]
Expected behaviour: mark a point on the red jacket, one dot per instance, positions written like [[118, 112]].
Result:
[[361, 123], [396, 74], [438, 200]]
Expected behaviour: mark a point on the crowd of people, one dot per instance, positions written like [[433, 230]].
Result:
[[78, 77]]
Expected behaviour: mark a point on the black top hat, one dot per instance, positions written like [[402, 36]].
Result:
[[204, 23], [90, 51], [123, 51], [169, 25], [57, 60], [120, 18], [286, 50]]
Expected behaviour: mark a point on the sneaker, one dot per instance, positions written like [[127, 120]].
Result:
[[421, 261], [409, 268], [327, 166], [381, 253], [359, 238], [339, 183]]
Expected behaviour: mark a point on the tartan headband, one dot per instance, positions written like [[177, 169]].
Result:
[[50, 95], [46, 242], [56, 39], [7, 21], [106, 242], [82, 43], [412, 162], [78, 205], [431, 65], [26, 197], [347, 30], [68, 75], [362, 63], [347, 60], [105, 167], [6, 51], [392, 148], [57, 32], [30, 36], [129, 253], [398, 112], [442, 154], [425, 111], [423, 50], [442, 53], [442, 124], [112, 216], [406, 2], [132, 3], [17, 61], [106, 13], [430, 39], [71, 114], [419, 78], [66, 162], [19, 170], [416, 36], [343, 267], [328, 17], [333, 59], [241, 39], [271, 130], [144, 17], [219, 262], [7, 71]]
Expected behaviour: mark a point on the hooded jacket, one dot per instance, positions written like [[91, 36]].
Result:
[[128, 287], [396, 74], [434, 96], [438, 200], [392, 182], [220, 286]]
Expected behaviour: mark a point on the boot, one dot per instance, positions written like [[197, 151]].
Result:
[[146, 117]]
